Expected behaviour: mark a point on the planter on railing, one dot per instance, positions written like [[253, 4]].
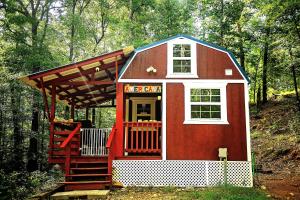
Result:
[[143, 137]]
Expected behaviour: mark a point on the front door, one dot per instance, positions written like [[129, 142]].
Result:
[[143, 120]]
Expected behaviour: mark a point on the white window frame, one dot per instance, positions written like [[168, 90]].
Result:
[[193, 58], [188, 103]]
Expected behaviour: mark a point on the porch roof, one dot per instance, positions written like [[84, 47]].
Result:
[[87, 83]]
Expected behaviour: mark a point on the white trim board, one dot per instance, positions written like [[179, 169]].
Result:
[[164, 121]]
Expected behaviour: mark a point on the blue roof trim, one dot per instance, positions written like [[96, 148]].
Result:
[[137, 50]]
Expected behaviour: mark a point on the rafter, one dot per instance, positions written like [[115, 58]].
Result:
[[80, 83], [79, 74]]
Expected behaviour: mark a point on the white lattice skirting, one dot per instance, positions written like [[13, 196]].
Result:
[[182, 173]]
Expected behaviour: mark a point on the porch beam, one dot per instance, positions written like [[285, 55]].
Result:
[[84, 91], [82, 73], [95, 102], [97, 95], [80, 83]]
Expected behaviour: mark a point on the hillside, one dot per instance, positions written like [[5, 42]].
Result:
[[275, 133]]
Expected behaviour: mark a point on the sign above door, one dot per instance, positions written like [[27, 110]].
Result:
[[142, 88]]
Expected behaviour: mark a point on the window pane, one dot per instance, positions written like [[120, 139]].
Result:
[[195, 115], [215, 108], [215, 91], [186, 69], [176, 47], [182, 66], [205, 99], [215, 98], [195, 108], [195, 98], [195, 91], [205, 115], [181, 50], [216, 115], [205, 91], [205, 108], [176, 53]]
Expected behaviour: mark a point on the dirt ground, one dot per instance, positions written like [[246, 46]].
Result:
[[280, 186]]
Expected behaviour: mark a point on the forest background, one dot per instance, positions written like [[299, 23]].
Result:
[[40, 34]]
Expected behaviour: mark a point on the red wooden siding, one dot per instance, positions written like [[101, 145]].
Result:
[[201, 142], [211, 64], [156, 57]]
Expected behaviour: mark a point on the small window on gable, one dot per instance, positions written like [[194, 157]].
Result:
[[205, 104], [182, 59]]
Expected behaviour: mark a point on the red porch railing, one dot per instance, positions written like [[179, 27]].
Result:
[[143, 137]]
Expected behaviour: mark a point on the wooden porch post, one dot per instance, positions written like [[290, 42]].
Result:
[[119, 120], [53, 102], [52, 115]]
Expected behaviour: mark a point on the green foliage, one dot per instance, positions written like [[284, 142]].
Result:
[[19, 185], [227, 193]]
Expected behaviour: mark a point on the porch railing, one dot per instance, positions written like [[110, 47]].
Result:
[[93, 141], [143, 137]]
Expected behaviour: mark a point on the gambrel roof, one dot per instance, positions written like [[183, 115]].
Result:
[[213, 46]]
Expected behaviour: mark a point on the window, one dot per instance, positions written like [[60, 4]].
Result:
[[205, 104], [182, 59]]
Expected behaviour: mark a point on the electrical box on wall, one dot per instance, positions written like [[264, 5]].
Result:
[[223, 153]]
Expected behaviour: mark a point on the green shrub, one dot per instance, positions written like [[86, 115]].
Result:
[[19, 185]]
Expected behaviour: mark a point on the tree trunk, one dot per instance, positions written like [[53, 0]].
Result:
[[222, 23], [295, 85], [32, 154], [241, 47], [93, 116], [72, 34], [17, 162], [265, 67], [258, 101]]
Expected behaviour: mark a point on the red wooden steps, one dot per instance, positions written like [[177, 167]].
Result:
[[85, 185], [91, 168], [87, 175]]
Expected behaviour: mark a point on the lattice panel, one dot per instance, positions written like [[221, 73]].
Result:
[[160, 173], [181, 173], [239, 174], [215, 173]]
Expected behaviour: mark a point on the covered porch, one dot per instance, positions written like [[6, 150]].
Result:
[[90, 84]]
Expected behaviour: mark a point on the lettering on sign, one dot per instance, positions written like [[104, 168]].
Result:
[[142, 89]]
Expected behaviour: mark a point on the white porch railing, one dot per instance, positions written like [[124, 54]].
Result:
[[93, 141]]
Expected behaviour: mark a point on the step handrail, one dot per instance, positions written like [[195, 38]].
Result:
[[111, 137], [110, 147], [71, 135]]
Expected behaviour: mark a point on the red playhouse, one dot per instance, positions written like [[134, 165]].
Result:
[[182, 117]]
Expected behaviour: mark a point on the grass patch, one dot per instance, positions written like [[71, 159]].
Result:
[[226, 193]]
